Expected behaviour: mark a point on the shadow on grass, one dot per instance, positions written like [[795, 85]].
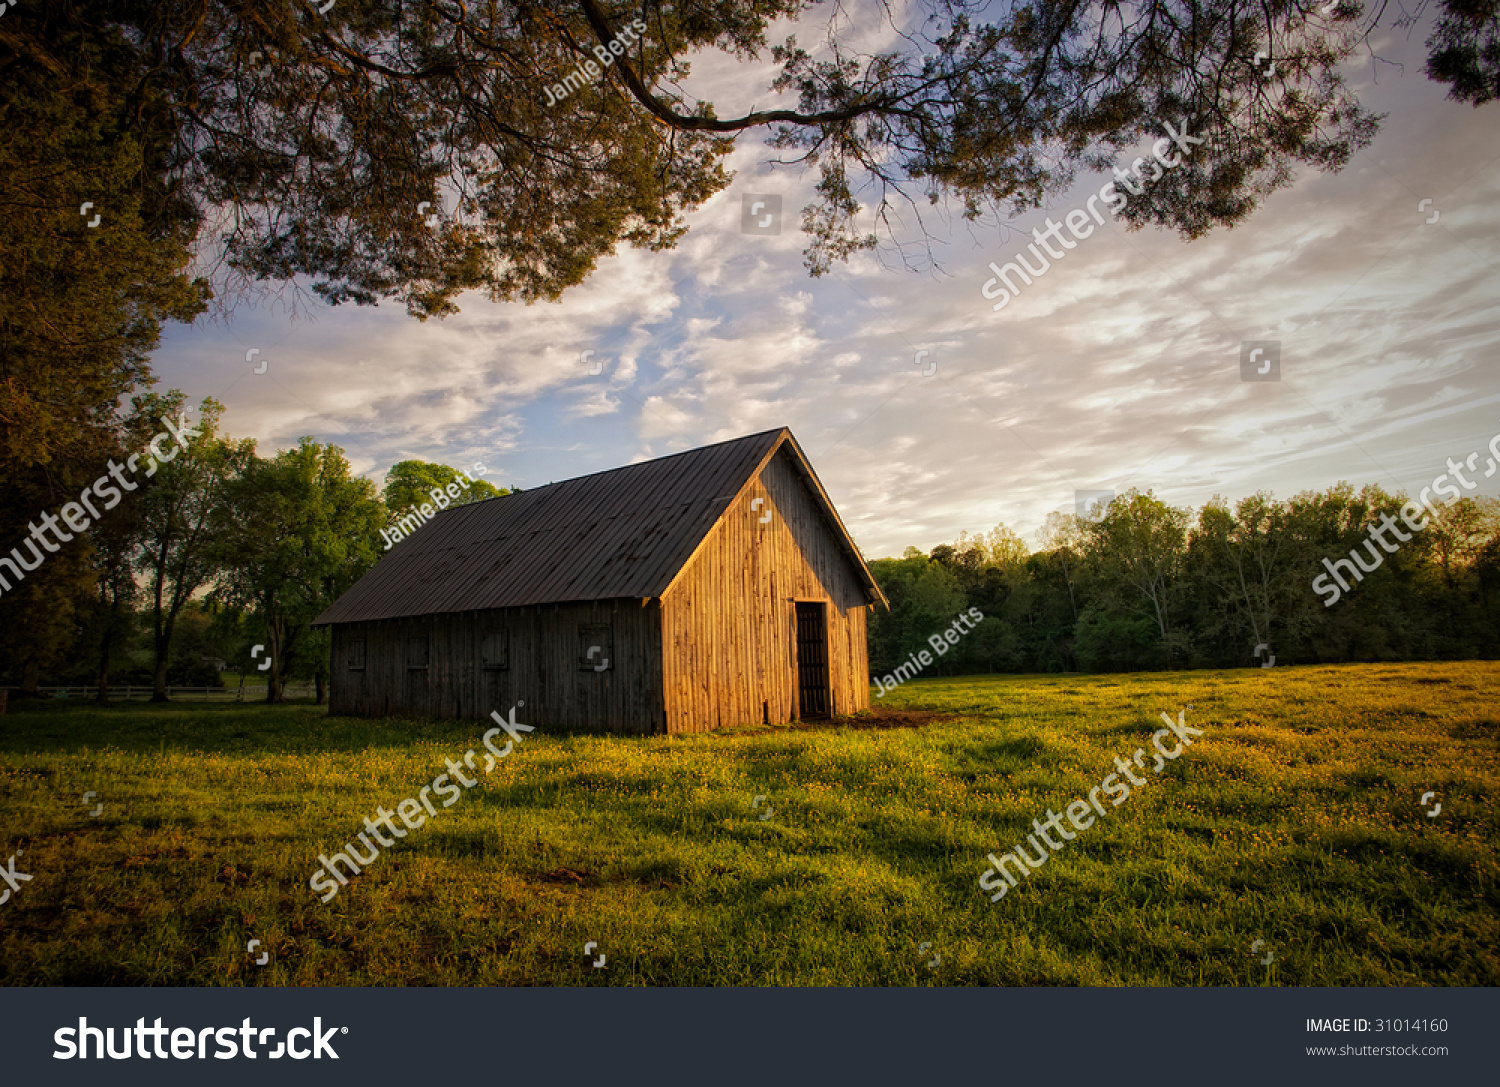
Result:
[[300, 727], [303, 727]]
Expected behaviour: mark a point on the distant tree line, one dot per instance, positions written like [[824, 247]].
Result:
[[218, 550], [1150, 586]]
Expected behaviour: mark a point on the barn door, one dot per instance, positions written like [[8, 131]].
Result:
[[812, 660]]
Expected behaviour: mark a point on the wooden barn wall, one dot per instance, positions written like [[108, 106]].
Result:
[[729, 622], [544, 667]]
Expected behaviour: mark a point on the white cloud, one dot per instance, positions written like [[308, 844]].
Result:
[[1117, 368]]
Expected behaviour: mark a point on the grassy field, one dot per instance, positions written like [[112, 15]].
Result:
[[1294, 820]]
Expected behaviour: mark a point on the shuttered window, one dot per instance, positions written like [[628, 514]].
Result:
[[495, 651]]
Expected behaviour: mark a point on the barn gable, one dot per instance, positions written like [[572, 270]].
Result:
[[733, 617]]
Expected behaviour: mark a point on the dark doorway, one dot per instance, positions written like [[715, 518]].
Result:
[[812, 660]]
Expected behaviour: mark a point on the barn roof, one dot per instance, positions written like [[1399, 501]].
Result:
[[621, 533]]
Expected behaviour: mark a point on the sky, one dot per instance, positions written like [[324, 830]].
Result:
[[1118, 368]]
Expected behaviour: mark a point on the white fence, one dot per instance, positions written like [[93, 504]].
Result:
[[177, 694]]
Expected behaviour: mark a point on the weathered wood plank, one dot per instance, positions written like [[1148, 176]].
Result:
[[542, 667], [729, 620]]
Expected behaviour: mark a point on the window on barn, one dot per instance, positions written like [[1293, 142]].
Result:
[[496, 651], [356, 655], [596, 647], [416, 652]]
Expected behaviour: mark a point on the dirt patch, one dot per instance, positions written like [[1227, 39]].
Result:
[[232, 874], [566, 876], [880, 719]]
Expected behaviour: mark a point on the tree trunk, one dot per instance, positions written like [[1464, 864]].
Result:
[[322, 682], [277, 676], [31, 676], [159, 679], [275, 680], [109, 635]]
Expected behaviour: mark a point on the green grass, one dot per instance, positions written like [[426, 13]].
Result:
[[1294, 820]]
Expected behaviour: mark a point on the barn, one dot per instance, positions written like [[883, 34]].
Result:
[[710, 588]]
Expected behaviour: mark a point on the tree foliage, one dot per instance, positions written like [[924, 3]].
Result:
[[213, 550], [309, 141], [295, 532], [1152, 586], [178, 505], [1466, 50], [81, 306], [411, 482]]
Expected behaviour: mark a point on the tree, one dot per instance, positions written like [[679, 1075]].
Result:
[[411, 482], [924, 595], [1140, 545], [1137, 590], [1456, 544], [315, 135], [116, 542], [1459, 536], [999, 547], [1465, 48], [1051, 613], [1063, 539], [1260, 567], [230, 636], [1113, 639], [180, 504], [43, 613], [81, 307], [295, 532]]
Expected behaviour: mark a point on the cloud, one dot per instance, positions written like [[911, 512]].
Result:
[[1117, 368]]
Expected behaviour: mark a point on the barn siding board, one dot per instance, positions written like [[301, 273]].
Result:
[[729, 620], [542, 667]]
